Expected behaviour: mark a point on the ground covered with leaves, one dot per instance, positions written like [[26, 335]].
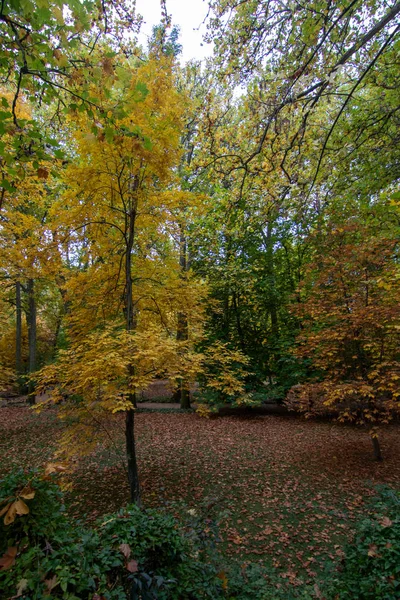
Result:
[[285, 491]]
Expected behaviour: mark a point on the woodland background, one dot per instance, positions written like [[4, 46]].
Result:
[[228, 228]]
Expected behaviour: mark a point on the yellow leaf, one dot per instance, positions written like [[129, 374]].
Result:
[[5, 509], [222, 576], [21, 587], [11, 514], [20, 507], [28, 493], [53, 468]]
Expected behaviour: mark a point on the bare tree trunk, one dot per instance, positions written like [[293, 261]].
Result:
[[377, 449], [32, 337], [271, 274], [182, 393], [130, 318], [133, 475], [18, 335], [57, 332]]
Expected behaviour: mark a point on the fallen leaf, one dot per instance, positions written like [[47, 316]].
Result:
[[53, 468], [132, 566], [11, 514], [5, 509], [8, 559], [20, 507], [51, 583], [373, 550], [21, 587], [125, 549], [386, 522], [268, 531], [222, 576], [27, 493]]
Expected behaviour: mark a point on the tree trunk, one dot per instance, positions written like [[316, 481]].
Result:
[[130, 320], [271, 275], [18, 335], [133, 475], [377, 449], [32, 337], [182, 393], [239, 328], [57, 333]]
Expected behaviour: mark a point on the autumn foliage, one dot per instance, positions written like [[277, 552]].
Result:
[[351, 330]]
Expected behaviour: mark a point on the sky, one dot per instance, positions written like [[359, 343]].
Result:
[[188, 14]]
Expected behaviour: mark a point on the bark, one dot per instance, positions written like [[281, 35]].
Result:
[[32, 337], [57, 332], [130, 320], [377, 449], [18, 335], [271, 274], [239, 328], [182, 393], [133, 475]]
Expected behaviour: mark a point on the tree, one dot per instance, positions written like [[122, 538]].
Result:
[[299, 56], [46, 52], [118, 212], [25, 241], [351, 316]]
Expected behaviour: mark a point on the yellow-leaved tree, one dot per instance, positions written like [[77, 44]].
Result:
[[124, 289], [28, 259]]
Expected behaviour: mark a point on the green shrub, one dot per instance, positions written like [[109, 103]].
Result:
[[371, 567], [132, 554]]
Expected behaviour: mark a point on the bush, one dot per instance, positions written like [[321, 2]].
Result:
[[371, 567], [132, 554]]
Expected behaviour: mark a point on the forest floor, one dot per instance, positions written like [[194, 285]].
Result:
[[287, 491]]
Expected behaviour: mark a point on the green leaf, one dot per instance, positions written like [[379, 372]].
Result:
[[6, 185], [109, 133], [142, 89]]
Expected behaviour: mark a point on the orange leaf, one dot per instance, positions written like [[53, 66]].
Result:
[[8, 559], [222, 576], [386, 522]]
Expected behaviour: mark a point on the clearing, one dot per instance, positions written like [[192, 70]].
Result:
[[285, 491]]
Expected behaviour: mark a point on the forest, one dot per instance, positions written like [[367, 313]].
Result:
[[200, 302]]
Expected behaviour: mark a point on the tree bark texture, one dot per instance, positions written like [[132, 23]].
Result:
[[182, 393], [130, 323], [32, 337], [377, 449], [133, 475], [18, 334]]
